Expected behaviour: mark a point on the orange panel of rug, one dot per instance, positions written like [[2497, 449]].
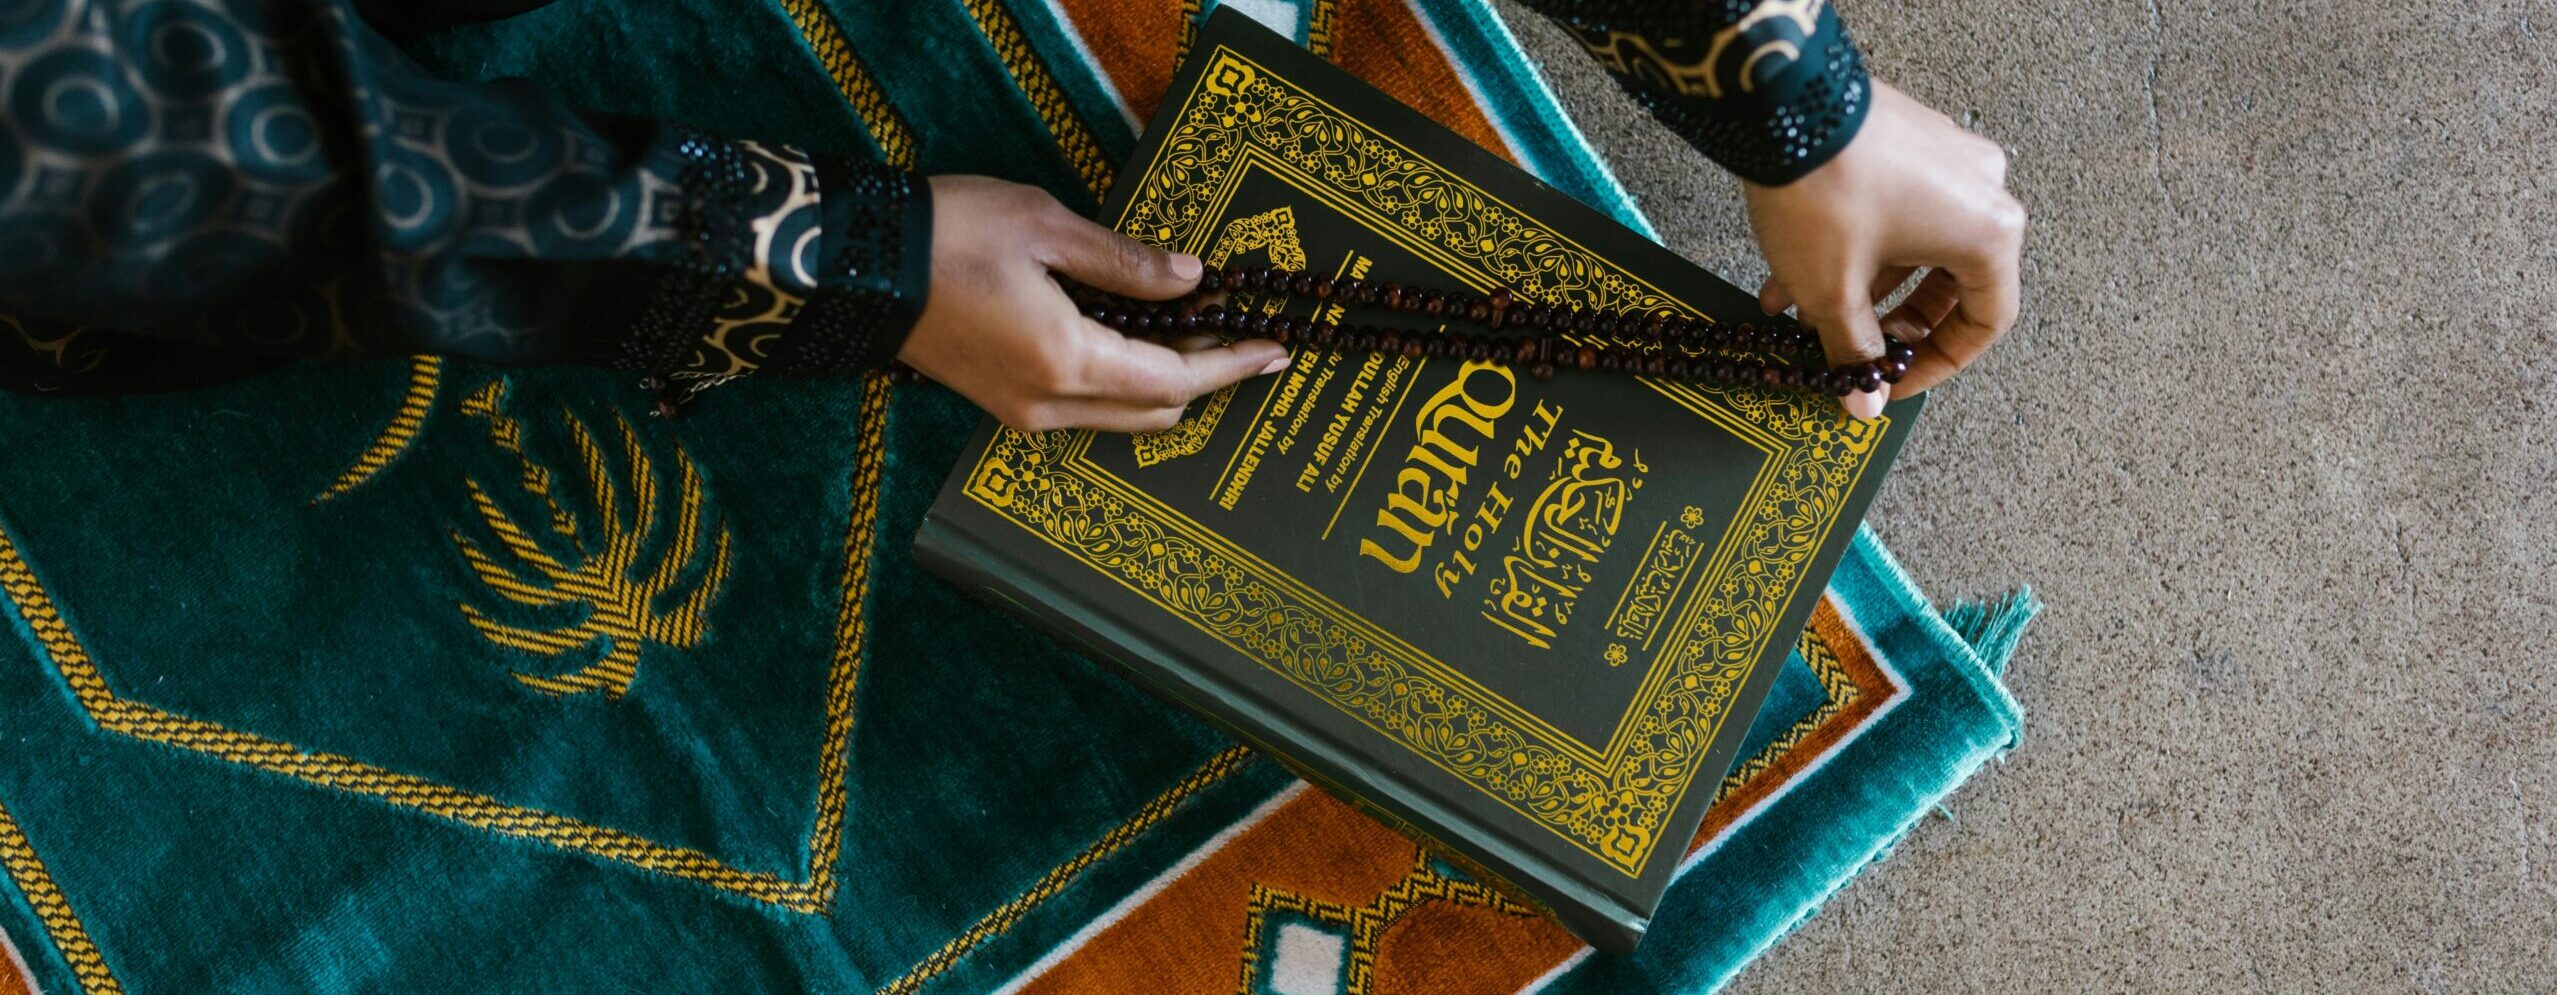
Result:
[[1384, 43], [13, 972], [1759, 781], [1316, 886], [1137, 42]]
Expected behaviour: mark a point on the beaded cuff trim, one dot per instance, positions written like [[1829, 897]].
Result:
[[878, 232], [711, 227], [1772, 93]]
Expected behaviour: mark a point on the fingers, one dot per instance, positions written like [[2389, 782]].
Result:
[[1851, 337], [1137, 386], [1889, 280], [1143, 374], [1108, 261], [1118, 417], [1985, 303], [1924, 308], [1961, 337]]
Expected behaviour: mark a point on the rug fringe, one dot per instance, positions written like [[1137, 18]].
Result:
[[1993, 627]]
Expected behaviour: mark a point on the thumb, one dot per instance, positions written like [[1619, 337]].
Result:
[[1851, 336], [1772, 297], [1108, 261]]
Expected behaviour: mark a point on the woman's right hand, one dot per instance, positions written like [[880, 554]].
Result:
[[998, 329]]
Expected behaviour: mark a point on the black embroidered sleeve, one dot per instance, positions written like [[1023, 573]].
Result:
[[274, 178], [1771, 89]]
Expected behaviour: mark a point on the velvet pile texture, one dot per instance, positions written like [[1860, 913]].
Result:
[[428, 675]]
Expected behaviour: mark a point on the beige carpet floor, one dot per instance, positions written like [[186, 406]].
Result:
[[2275, 438]]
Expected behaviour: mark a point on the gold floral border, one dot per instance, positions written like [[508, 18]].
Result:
[[1617, 810]]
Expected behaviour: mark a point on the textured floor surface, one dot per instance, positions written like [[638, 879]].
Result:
[[2274, 439]]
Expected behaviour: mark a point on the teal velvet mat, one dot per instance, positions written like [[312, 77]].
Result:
[[266, 724]]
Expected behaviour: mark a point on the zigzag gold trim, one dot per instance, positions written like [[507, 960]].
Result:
[[1190, 14], [60, 922], [853, 79], [813, 896], [851, 636], [1841, 692], [1003, 31], [1366, 923], [425, 375], [1225, 762], [1318, 27]]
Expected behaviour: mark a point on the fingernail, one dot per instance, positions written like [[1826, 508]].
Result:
[[1185, 266], [1275, 365], [1863, 405]]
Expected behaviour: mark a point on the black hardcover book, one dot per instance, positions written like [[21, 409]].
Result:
[[1526, 621]]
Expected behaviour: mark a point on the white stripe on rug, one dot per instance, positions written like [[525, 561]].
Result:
[[1152, 888]]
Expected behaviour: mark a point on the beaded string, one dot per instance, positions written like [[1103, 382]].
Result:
[[1538, 337]]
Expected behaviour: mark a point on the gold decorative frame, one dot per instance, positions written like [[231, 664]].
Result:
[[1611, 803]]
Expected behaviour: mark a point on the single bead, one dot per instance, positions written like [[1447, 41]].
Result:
[[1347, 289], [1541, 370], [1390, 343], [1210, 279], [1868, 379], [1524, 352], [1478, 350], [1434, 304], [1656, 364], [1282, 325], [1322, 288], [1586, 358], [1393, 296], [1478, 312], [1300, 285], [1233, 279], [1283, 336], [1682, 369], [1582, 321], [1893, 370], [1501, 299], [1415, 347]]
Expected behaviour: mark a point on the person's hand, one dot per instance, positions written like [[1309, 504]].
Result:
[[1912, 190], [998, 329]]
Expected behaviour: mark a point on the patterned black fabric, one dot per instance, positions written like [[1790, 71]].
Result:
[[275, 178], [1771, 89], [198, 187]]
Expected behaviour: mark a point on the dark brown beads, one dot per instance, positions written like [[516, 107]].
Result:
[[1548, 336]]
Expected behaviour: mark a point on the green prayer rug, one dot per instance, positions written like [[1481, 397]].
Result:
[[427, 675]]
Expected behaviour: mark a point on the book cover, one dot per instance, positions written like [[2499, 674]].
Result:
[[1525, 621]]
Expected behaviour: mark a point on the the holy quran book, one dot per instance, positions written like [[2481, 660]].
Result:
[[1527, 622]]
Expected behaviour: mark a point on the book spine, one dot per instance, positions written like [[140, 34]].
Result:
[[947, 550]]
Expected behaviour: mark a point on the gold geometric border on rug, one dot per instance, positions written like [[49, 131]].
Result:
[[812, 895], [61, 923], [1179, 931]]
